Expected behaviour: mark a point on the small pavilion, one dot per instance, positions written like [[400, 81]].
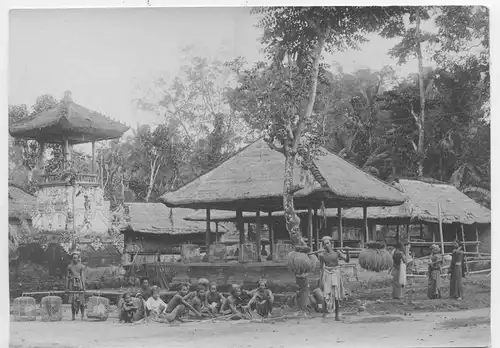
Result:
[[73, 209], [252, 181]]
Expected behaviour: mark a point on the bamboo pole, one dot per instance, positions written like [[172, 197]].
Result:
[[309, 227], [271, 234], [341, 232], [440, 228], [365, 223], [465, 249], [316, 228], [257, 234], [398, 237], [217, 237], [241, 228]]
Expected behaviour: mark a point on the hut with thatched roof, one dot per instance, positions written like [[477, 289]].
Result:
[[429, 206], [153, 232], [252, 181]]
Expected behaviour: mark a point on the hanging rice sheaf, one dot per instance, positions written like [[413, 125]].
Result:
[[98, 308], [51, 308], [375, 257], [24, 309], [300, 263]]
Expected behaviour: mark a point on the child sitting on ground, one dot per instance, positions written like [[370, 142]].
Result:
[[127, 309], [214, 299]]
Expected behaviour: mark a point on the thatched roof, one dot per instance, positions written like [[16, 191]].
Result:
[[78, 123], [21, 203], [421, 205], [253, 179], [156, 218]]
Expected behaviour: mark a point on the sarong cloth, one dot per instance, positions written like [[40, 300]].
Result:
[[457, 272], [435, 283], [75, 284], [333, 287]]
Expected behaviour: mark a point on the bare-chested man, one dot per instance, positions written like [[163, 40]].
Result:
[[75, 281], [331, 278]]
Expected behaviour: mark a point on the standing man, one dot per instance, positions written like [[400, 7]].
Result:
[[75, 281], [331, 278]]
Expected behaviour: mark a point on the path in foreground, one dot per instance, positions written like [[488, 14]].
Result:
[[464, 328]]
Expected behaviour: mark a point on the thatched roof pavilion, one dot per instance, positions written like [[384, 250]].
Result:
[[421, 206], [252, 180], [76, 123]]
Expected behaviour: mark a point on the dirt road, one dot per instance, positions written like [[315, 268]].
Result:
[[459, 328]]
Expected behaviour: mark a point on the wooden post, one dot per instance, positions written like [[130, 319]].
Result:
[[241, 228], [217, 237], [316, 228], [398, 237], [207, 235], [365, 223], [408, 241], [249, 232], [93, 158], [440, 228], [421, 231], [41, 151], [465, 248], [65, 152], [477, 242], [271, 234], [341, 232], [309, 227], [257, 234]]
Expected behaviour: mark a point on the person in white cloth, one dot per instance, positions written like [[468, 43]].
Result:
[[331, 278], [155, 304]]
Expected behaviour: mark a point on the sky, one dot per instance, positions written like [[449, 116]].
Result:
[[103, 55]]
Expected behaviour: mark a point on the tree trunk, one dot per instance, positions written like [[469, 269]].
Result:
[[291, 219], [421, 121]]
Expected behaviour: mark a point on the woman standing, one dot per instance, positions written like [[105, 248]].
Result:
[[435, 264], [331, 278], [457, 272], [397, 258]]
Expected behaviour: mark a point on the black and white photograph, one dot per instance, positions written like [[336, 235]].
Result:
[[249, 176]]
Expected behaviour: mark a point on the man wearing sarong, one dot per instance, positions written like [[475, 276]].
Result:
[[75, 281], [262, 300], [234, 305], [397, 257], [435, 264], [457, 272], [331, 277]]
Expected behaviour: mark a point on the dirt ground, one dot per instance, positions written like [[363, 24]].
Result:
[[368, 316], [465, 328]]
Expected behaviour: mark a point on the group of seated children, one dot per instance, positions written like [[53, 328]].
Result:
[[206, 301]]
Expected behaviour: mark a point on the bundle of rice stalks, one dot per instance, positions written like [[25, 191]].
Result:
[[375, 260], [300, 263]]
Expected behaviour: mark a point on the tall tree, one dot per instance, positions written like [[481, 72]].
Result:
[[281, 95], [196, 101]]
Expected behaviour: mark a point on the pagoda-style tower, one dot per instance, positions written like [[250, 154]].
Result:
[[70, 206]]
